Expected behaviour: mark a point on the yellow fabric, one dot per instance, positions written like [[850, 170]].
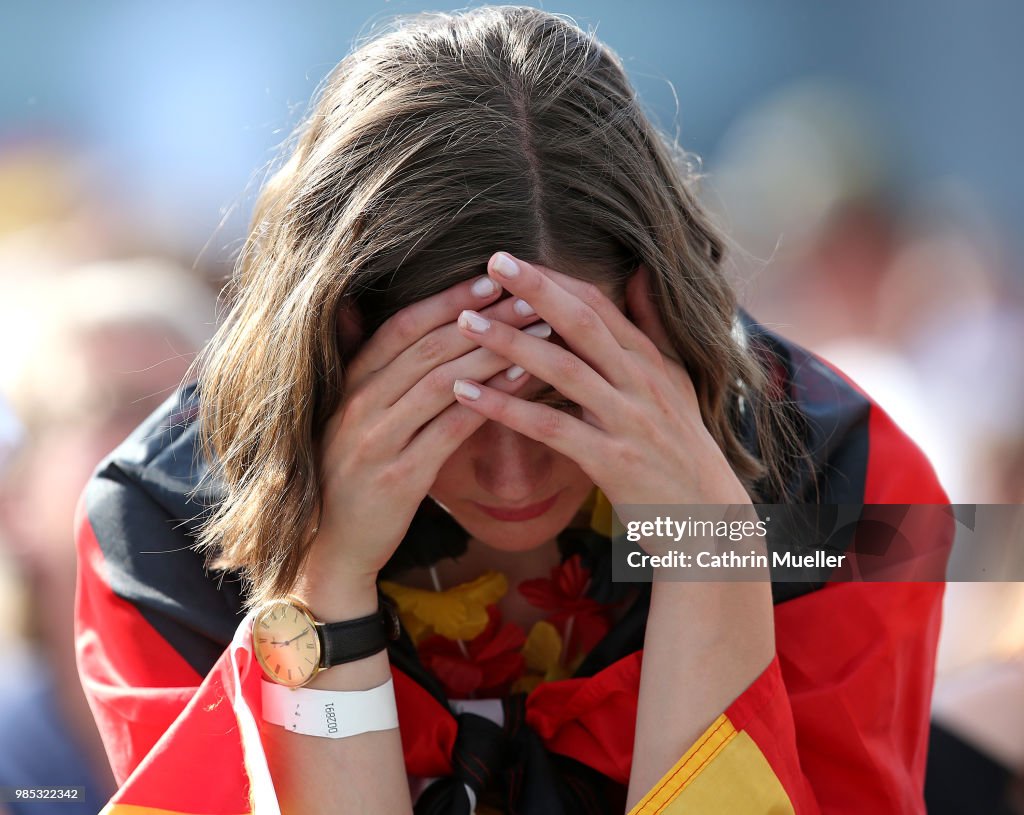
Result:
[[724, 771]]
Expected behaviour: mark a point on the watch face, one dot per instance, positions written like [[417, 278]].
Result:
[[286, 643]]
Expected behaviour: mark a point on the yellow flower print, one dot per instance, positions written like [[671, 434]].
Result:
[[542, 653], [458, 613], [601, 514], [543, 647]]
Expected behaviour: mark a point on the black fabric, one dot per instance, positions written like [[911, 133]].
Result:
[[149, 562], [962, 780], [149, 497], [509, 768], [832, 420]]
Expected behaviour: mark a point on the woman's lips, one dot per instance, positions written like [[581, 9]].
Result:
[[520, 513]]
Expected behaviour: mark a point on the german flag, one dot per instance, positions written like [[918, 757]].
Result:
[[836, 723]]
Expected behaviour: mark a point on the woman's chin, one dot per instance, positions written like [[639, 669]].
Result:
[[511, 536]]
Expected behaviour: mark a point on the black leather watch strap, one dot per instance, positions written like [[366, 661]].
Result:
[[356, 639]]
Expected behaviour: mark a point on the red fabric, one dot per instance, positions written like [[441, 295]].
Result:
[[156, 727], [843, 720], [843, 734], [160, 725], [858, 674], [591, 719], [841, 715], [582, 718], [429, 736], [763, 711]]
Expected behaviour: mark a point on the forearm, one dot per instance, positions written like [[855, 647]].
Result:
[[356, 774], [704, 644]]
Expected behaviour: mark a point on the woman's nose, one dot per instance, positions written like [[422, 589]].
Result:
[[509, 465]]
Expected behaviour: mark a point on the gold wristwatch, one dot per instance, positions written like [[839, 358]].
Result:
[[292, 646]]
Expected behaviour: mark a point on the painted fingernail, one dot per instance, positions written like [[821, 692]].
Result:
[[522, 308], [474, 322], [484, 287], [504, 265], [542, 330], [466, 389], [513, 373]]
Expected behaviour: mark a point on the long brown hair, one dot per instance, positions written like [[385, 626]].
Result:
[[433, 145]]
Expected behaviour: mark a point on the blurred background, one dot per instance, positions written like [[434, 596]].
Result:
[[863, 157]]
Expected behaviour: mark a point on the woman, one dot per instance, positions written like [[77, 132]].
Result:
[[382, 422]]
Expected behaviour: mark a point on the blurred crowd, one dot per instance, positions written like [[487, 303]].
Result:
[[97, 329], [912, 294]]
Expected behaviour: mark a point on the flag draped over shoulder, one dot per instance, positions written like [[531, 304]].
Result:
[[836, 723], [188, 748]]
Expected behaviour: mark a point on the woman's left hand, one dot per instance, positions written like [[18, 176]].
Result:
[[641, 438]]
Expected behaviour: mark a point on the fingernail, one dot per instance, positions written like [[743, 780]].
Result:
[[484, 287], [504, 265], [522, 308], [542, 330], [474, 322], [466, 389], [514, 373]]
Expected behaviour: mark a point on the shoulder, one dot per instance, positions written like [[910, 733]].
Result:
[[857, 459], [138, 518], [859, 454], [161, 462]]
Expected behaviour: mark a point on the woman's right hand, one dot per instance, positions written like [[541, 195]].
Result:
[[396, 426]]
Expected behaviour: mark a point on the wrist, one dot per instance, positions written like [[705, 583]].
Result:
[[337, 593], [330, 713], [362, 674], [341, 601], [338, 601]]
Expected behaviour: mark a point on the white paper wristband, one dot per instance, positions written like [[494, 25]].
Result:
[[331, 714]]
